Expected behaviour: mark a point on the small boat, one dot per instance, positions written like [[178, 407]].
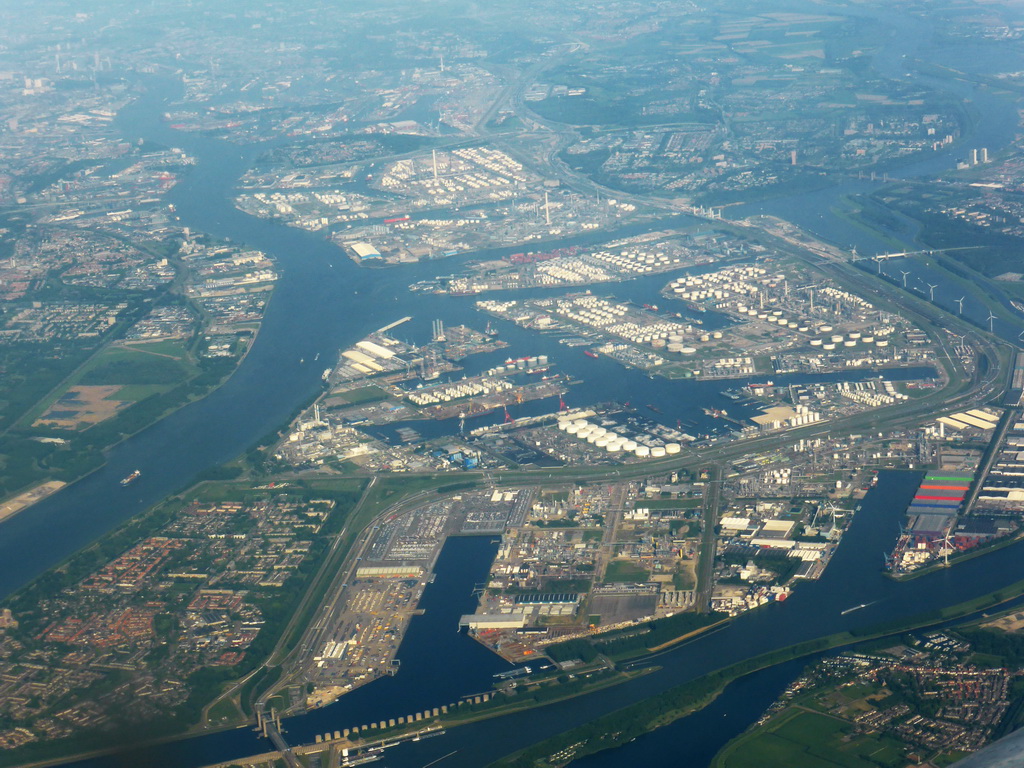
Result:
[[855, 608], [131, 478]]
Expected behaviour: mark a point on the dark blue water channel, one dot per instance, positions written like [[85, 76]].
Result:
[[323, 304]]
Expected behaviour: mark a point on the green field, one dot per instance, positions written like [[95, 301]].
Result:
[[132, 393], [363, 395], [136, 365], [801, 739], [142, 369], [624, 570], [683, 580]]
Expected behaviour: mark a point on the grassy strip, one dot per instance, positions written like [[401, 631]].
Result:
[[638, 640], [624, 725]]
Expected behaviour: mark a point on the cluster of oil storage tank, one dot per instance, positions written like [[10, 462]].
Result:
[[573, 270], [723, 284], [471, 172], [521, 364], [637, 262], [846, 298], [451, 392], [497, 307], [656, 334], [599, 313], [613, 441], [830, 341], [590, 310], [774, 316], [865, 392]]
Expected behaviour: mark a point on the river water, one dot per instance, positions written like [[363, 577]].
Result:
[[323, 303]]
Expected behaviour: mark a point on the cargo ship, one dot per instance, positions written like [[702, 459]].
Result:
[[588, 353], [131, 478], [1018, 305]]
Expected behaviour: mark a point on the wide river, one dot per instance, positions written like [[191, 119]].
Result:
[[323, 303]]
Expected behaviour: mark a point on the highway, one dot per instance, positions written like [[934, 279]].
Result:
[[708, 539]]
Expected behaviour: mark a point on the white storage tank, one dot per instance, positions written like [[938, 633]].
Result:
[[642, 451], [658, 451], [673, 448]]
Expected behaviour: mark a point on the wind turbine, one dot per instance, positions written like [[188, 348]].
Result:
[[960, 304], [947, 547], [931, 291], [836, 517], [905, 274], [991, 317]]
